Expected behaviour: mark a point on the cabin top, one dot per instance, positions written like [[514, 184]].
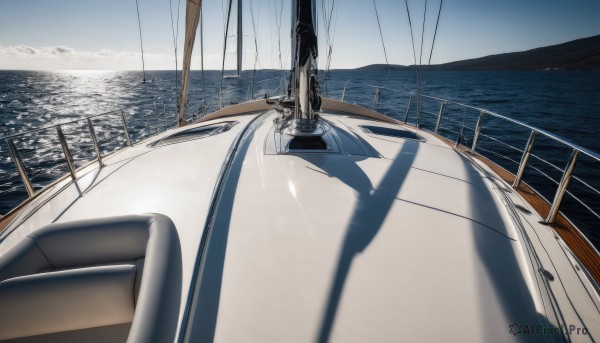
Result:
[[377, 231]]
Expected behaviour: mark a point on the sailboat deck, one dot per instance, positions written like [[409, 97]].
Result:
[[388, 245]]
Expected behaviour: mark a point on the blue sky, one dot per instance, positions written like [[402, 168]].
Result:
[[103, 34]]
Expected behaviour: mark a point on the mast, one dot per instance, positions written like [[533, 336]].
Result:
[[192, 17], [294, 20], [305, 83], [240, 38], [293, 32]]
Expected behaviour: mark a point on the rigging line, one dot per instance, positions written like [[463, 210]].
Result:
[[257, 43], [174, 47], [423, 34], [337, 7], [141, 43], [332, 35], [432, 43], [278, 17], [272, 40], [255, 47], [223, 14], [202, 60], [177, 46], [327, 17], [327, 20], [324, 19], [381, 35], [419, 90], [412, 39], [271, 44], [327, 27], [224, 49], [279, 35], [178, 13]]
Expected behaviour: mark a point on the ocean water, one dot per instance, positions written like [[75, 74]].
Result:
[[566, 103]]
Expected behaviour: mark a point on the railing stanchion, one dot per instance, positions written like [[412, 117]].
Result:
[[562, 188], [524, 158], [439, 120], [376, 99], [20, 168], [477, 131], [125, 128], [95, 142], [157, 118], [68, 157], [419, 104], [344, 91], [408, 109], [460, 134]]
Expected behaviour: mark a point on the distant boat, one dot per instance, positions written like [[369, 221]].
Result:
[[239, 39]]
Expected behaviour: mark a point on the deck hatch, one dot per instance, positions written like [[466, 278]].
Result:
[[307, 143], [195, 133], [386, 131], [280, 142]]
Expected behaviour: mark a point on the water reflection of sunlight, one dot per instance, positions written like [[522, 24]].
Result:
[[86, 72], [86, 87]]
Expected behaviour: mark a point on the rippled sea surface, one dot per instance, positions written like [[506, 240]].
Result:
[[565, 103]]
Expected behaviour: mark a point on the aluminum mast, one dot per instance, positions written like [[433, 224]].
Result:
[[305, 85]]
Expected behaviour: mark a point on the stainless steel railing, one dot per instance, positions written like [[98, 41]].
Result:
[[442, 111], [449, 118], [145, 112]]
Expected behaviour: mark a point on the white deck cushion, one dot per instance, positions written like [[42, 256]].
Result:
[[66, 300], [85, 274]]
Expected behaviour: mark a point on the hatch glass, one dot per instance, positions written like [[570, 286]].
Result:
[[195, 133], [389, 132]]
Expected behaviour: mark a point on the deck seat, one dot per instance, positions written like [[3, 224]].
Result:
[[66, 300], [67, 278]]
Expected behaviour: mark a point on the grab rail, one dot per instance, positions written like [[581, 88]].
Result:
[[527, 151], [68, 157], [441, 115]]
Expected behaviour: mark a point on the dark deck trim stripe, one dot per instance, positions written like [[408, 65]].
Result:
[[192, 297]]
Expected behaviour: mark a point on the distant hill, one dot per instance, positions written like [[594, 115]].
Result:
[[580, 54], [376, 67]]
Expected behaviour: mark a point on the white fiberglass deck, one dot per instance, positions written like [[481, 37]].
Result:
[[412, 242]]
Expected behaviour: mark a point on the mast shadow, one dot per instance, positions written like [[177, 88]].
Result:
[[370, 211]]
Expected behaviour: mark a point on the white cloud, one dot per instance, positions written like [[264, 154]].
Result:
[[25, 50], [63, 50], [64, 57], [61, 57]]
